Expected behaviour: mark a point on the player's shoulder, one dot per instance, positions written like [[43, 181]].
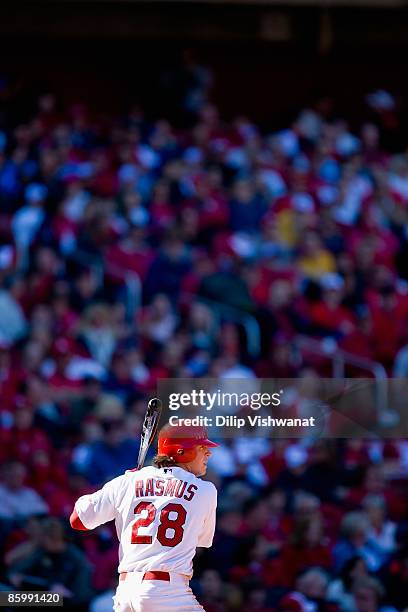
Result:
[[120, 485], [115, 488], [206, 487], [123, 479], [148, 471], [210, 486]]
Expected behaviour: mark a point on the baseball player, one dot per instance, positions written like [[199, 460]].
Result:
[[162, 513]]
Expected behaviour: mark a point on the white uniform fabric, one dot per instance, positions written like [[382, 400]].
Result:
[[137, 595], [161, 515]]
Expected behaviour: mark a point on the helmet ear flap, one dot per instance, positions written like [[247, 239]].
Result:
[[183, 455]]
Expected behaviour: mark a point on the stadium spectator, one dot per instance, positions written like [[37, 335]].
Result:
[[313, 585], [382, 531], [108, 457], [354, 541], [18, 500], [306, 548], [340, 589], [23, 543], [55, 566], [13, 324], [368, 593]]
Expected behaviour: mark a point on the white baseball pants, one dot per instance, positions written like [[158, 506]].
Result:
[[136, 595]]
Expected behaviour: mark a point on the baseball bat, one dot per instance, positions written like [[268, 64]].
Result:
[[149, 429]]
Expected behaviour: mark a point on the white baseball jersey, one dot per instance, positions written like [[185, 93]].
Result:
[[161, 516]]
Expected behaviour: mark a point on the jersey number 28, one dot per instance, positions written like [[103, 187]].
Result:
[[166, 523]]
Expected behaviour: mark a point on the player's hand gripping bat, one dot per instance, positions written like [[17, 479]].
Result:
[[149, 428]]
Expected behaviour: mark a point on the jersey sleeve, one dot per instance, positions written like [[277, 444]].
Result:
[[99, 507], [206, 536]]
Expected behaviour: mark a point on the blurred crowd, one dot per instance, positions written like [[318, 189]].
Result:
[[132, 251]]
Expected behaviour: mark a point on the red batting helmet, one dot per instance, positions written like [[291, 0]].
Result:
[[179, 442]]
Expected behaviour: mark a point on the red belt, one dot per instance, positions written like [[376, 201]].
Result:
[[149, 576]]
